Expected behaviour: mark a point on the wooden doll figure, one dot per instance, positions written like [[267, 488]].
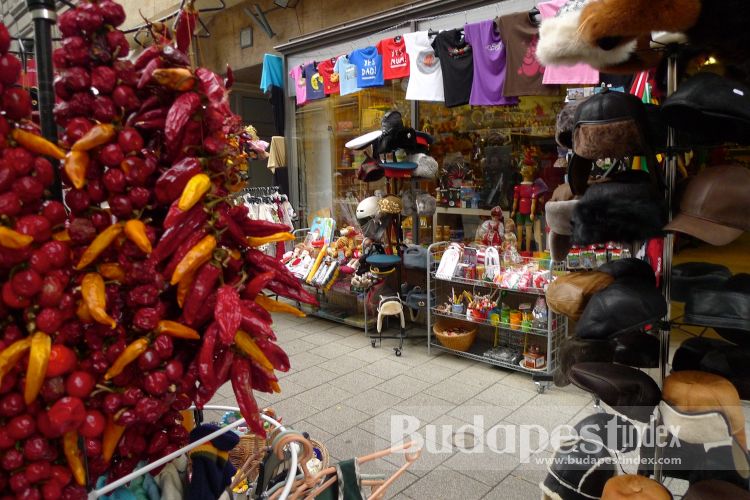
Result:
[[525, 208]]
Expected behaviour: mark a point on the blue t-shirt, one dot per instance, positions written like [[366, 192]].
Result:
[[273, 72], [369, 67], [314, 82], [347, 76]]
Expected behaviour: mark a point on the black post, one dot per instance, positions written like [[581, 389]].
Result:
[[44, 15]]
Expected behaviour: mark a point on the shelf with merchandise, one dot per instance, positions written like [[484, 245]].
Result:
[[540, 332], [488, 284], [477, 352]]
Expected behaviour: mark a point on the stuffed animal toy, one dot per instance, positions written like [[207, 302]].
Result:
[[617, 34], [346, 243]]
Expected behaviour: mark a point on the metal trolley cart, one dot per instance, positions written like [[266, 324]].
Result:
[[496, 336]]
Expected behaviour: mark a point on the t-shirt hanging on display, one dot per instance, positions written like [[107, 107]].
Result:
[[347, 76], [300, 87], [314, 82], [524, 72], [456, 60], [330, 77], [272, 74], [425, 71], [395, 58], [489, 65], [581, 73], [369, 67]]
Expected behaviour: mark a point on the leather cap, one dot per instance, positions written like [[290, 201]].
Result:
[[637, 349], [693, 392], [624, 306], [690, 275], [569, 294], [630, 268], [634, 487], [612, 431], [713, 489], [628, 391], [579, 470], [718, 357], [726, 306], [715, 205], [574, 350]]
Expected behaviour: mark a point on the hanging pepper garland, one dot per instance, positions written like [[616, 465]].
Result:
[[148, 296]]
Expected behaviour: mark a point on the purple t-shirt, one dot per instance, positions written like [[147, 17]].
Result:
[[489, 65]]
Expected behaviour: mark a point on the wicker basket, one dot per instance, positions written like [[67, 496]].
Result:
[[248, 445], [460, 343]]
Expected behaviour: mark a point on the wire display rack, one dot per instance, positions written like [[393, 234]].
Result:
[[491, 334]]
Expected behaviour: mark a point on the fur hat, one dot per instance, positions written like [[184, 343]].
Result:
[[574, 350], [578, 471], [630, 268], [558, 215], [627, 208]]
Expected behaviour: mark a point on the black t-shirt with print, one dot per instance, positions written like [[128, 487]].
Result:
[[458, 66]]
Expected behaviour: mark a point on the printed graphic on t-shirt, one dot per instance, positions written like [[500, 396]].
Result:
[[530, 65], [427, 62], [350, 73], [316, 81], [456, 53], [334, 77], [369, 69], [398, 58]]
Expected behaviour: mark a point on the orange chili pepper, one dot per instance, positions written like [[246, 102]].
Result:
[[111, 437], [184, 287], [13, 239], [247, 345], [271, 305], [100, 243], [75, 166], [95, 297], [111, 271], [98, 135], [194, 190], [135, 230], [258, 241], [180, 79], [41, 345], [178, 330], [37, 144], [196, 257], [61, 235], [11, 355], [275, 386], [130, 354], [83, 313], [74, 457]]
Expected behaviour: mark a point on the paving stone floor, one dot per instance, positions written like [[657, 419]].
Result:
[[346, 394]]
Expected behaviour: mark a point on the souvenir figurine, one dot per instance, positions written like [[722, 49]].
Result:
[[526, 207], [490, 233]]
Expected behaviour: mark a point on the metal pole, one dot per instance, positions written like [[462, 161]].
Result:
[[44, 15]]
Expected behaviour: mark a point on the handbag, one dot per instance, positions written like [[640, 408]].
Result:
[[415, 257], [416, 299]]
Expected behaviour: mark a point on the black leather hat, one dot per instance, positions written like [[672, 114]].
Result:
[[691, 275], [579, 470], [630, 268], [637, 349], [712, 108], [725, 306], [717, 357], [624, 306], [612, 431]]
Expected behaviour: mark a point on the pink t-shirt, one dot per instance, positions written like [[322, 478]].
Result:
[[565, 75], [300, 87]]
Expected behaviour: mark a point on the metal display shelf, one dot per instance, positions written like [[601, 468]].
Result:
[[495, 335]]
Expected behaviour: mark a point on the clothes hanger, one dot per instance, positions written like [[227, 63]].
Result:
[[304, 486]]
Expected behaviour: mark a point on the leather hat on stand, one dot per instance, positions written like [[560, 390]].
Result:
[[579, 470], [718, 357], [612, 431], [725, 307], [569, 294], [630, 268], [634, 487], [713, 489], [715, 205], [692, 275], [558, 212]]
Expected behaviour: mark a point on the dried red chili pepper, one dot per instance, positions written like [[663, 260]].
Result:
[[146, 56], [242, 384], [174, 214], [257, 284], [223, 364], [252, 323], [182, 109], [194, 219], [229, 80], [203, 286], [211, 85], [294, 293], [262, 380], [185, 26], [183, 249], [274, 353], [170, 184], [148, 71], [227, 313], [259, 311], [175, 57], [259, 228], [206, 373], [234, 230]]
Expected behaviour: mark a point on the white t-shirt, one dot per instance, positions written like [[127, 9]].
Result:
[[425, 75]]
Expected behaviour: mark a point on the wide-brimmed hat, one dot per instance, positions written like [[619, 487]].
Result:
[[715, 205]]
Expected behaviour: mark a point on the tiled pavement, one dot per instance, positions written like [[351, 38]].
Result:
[[345, 393]]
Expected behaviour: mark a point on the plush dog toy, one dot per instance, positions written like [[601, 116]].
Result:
[[617, 34]]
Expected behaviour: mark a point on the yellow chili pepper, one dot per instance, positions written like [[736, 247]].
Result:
[[41, 345], [184, 287], [271, 305], [100, 243], [37, 144], [83, 313], [247, 345], [13, 239], [196, 257], [111, 437], [276, 387], [111, 271], [98, 135], [61, 235], [130, 354], [256, 241], [135, 230], [178, 330], [11, 355], [74, 457], [197, 186], [181, 79], [93, 293], [76, 164]]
